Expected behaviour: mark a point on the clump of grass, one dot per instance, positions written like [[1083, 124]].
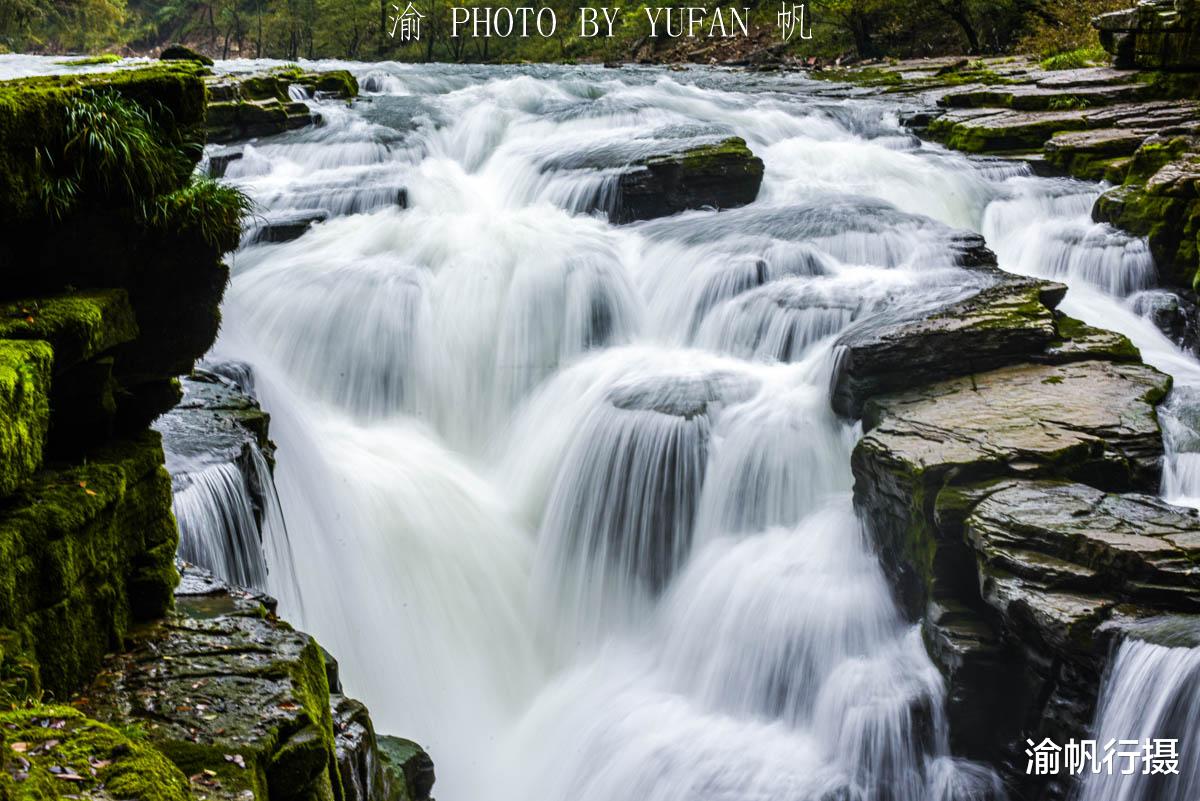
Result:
[[111, 149], [213, 209], [1076, 59]]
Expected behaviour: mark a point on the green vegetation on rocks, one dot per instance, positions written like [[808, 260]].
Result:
[[25, 369], [49, 752]]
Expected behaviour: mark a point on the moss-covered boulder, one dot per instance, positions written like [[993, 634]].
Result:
[[85, 551], [1160, 200], [722, 175], [178, 52], [49, 752], [264, 104], [25, 369]]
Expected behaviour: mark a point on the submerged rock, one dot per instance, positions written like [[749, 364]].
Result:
[[722, 175]]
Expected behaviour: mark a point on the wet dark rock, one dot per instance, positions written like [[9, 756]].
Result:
[[1175, 315], [284, 227], [406, 758], [218, 163], [685, 396], [721, 175], [240, 702], [1002, 324]]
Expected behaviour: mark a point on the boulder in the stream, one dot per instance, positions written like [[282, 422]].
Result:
[[284, 226], [179, 52], [721, 175]]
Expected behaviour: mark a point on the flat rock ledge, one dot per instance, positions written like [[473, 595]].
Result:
[[1011, 508], [247, 707]]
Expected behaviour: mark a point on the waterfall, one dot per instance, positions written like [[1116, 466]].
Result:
[[568, 499], [1150, 692]]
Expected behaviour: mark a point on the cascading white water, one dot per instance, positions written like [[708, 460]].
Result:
[[1151, 692], [567, 499]]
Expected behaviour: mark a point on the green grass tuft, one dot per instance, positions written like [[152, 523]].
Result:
[[213, 209]]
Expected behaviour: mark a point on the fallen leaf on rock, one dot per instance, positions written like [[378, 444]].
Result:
[[20, 748]]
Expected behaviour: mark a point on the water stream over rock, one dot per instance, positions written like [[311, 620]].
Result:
[[569, 499]]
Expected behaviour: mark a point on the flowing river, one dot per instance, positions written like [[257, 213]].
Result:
[[567, 499]]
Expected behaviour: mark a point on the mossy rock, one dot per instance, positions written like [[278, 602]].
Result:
[[49, 752], [178, 52], [722, 175], [85, 550], [33, 117], [78, 326], [233, 696], [25, 369]]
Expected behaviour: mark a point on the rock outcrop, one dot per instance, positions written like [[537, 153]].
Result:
[[721, 175], [1009, 507], [246, 107], [113, 275], [241, 703], [1155, 34]]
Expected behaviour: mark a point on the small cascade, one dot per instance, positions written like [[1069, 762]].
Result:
[[225, 502], [1150, 692], [218, 529]]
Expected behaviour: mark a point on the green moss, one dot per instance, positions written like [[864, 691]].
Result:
[[25, 369], [78, 326], [865, 76], [706, 157], [19, 678], [103, 58], [336, 82], [1077, 59], [1152, 157], [83, 552], [1170, 224], [35, 117], [40, 745]]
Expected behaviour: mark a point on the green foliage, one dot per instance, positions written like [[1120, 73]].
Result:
[[359, 29], [1064, 26], [212, 209], [1090, 56], [113, 144]]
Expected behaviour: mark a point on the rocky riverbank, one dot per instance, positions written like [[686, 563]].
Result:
[[1009, 478], [1008, 488], [114, 275], [1135, 125]]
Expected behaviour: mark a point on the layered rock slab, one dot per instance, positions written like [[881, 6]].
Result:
[[242, 703]]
